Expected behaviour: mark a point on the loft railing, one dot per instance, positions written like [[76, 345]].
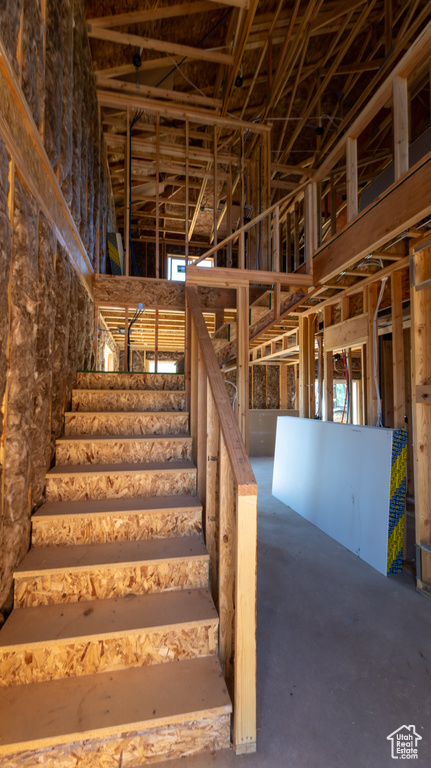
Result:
[[228, 492]]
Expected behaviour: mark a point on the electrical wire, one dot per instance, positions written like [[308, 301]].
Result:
[[226, 381]]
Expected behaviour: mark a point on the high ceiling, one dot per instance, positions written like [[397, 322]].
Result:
[[306, 67]]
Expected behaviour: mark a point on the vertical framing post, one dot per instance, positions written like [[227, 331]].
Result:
[[333, 207], [157, 195], [229, 215], [296, 237], [421, 378], [328, 370], [289, 265], [276, 239], [311, 366], [283, 387], [371, 389], [310, 226], [241, 244], [96, 334], [244, 718], [126, 339], [186, 234], [212, 490], [127, 201], [352, 178], [401, 126], [243, 360], [216, 261], [303, 367], [156, 341], [202, 430], [194, 391], [187, 356], [227, 546], [399, 385]]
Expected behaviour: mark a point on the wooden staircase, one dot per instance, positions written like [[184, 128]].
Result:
[[109, 657]]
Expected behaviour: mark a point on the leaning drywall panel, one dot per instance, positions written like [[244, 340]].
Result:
[[337, 476]]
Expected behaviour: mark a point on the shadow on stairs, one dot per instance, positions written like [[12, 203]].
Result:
[[110, 654]]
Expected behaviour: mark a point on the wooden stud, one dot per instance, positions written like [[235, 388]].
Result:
[[311, 366], [401, 126], [229, 216], [127, 202], [303, 367], [212, 459], [399, 388], [352, 178], [242, 360], [328, 370], [371, 389], [126, 338], [157, 195], [421, 378], [156, 341], [276, 240], [227, 547], [201, 448], [215, 196], [244, 718], [186, 229], [296, 237]]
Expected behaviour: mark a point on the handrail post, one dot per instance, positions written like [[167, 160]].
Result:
[[243, 360], [211, 521], [244, 726]]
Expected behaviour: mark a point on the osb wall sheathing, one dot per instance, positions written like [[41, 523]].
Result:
[[46, 315]]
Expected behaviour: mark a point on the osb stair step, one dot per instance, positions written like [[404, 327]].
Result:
[[54, 641], [100, 449], [115, 481], [74, 573], [102, 380], [126, 423], [57, 523], [127, 400], [126, 717]]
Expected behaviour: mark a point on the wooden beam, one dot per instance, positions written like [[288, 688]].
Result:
[[352, 178], [303, 367], [140, 17], [127, 169], [163, 46], [24, 144], [221, 276], [348, 333], [110, 84]]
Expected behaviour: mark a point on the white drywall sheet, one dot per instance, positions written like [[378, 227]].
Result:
[[338, 477]]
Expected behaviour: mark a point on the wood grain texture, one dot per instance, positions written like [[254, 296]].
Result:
[[153, 381], [105, 581], [115, 451], [126, 423], [122, 400], [74, 656], [126, 526], [132, 748], [118, 485]]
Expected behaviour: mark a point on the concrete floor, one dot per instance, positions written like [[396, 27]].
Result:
[[344, 654]]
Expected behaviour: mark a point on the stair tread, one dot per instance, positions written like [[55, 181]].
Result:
[[40, 624], [110, 702], [120, 438], [104, 506], [92, 469], [111, 553]]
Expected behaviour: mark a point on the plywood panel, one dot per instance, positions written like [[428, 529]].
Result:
[[152, 423], [130, 450], [121, 400], [157, 381], [105, 581], [115, 484]]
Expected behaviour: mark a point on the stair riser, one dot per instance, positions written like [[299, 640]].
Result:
[[124, 485], [100, 528], [76, 656], [129, 748], [126, 424], [133, 381], [127, 452], [100, 582], [86, 400]]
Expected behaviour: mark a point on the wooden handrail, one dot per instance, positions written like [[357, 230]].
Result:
[[241, 468]]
